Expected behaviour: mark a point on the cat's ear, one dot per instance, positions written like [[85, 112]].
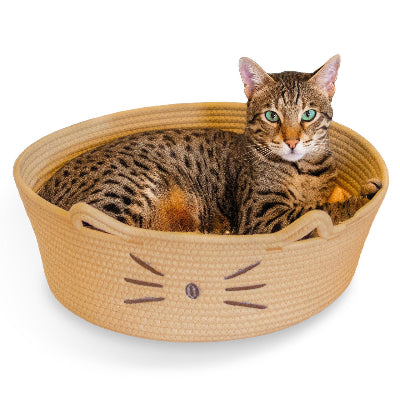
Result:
[[253, 76], [325, 76]]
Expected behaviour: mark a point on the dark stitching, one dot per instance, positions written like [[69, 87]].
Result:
[[243, 270], [143, 283], [145, 265], [192, 291], [243, 304], [234, 289], [143, 300]]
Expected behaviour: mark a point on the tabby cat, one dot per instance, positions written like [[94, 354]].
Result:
[[212, 180]]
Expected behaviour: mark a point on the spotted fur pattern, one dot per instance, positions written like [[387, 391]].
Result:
[[211, 180]]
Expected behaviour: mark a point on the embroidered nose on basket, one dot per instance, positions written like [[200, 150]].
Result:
[[192, 291]]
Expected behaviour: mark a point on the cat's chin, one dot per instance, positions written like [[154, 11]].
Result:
[[292, 157]]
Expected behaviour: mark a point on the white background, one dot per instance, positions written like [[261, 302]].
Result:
[[63, 62]]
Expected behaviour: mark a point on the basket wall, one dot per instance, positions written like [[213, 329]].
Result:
[[86, 269]]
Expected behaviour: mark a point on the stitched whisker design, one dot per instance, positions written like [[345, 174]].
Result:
[[238, 288], [148, 267], [243, 270], [143, 283], [241, 288], [143, 300], [145, 265], [244, 304]]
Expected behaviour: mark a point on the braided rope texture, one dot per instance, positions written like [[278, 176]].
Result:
[[188, 286]]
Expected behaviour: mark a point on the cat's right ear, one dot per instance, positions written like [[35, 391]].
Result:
[[253, 76]]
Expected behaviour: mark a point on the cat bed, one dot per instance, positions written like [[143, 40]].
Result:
[[190, 286]]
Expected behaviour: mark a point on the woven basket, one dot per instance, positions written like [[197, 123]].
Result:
[[188, 286]]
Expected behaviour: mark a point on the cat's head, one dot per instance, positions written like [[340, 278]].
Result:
[[289, 113]]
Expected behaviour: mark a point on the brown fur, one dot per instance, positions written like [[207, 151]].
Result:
[[177, 212], [339, 195]]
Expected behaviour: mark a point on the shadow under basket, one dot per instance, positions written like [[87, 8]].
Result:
[[188, 286]]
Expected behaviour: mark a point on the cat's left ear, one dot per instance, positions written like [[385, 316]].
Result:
[[325, 77]]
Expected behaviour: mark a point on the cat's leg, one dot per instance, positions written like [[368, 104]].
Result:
[[280, 215], [220, 224], [340, 211]]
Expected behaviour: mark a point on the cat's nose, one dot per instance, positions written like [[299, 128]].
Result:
[[292, 143]]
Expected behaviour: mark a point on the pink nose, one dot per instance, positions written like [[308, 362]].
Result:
[[292, 143]]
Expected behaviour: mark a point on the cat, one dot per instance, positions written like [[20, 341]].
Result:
[[215, 181]]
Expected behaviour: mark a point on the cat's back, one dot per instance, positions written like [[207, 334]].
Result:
[[139, 167]]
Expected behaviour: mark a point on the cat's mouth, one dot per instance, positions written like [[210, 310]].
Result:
[[292, 154]]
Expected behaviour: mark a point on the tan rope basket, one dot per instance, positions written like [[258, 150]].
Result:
[[188, 286]]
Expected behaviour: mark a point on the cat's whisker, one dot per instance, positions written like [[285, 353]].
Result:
[[321, 140], [143, 283], [319, 148], [320, 143]]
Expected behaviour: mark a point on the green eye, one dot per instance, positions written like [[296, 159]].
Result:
[[308, 115], [272, 116]]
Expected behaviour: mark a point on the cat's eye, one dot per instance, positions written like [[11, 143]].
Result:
[[272, 116], [308, 115]]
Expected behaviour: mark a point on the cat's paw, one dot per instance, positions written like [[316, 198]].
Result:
[[370, 188]]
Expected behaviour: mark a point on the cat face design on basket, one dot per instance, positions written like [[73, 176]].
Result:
[[289, 113], [192, 290]]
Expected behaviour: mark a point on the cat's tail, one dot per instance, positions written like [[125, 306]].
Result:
[[177, 212]]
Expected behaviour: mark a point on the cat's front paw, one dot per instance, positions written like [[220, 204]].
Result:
[[370, 188]]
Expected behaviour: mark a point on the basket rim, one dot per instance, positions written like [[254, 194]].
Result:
[[313, 219]]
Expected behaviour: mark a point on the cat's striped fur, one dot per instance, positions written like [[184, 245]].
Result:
[[215, 181]]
